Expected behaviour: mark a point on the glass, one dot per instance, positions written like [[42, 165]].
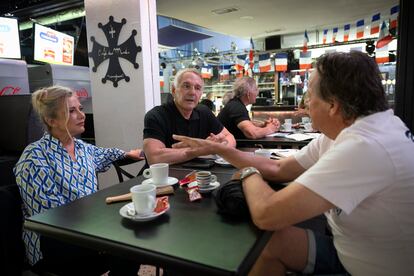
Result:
[[186, 86]]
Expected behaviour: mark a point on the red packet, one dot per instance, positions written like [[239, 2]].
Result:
[[188, 178], [162, 204], [193, 194]]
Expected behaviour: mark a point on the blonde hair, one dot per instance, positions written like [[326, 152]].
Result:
[[48, 101]]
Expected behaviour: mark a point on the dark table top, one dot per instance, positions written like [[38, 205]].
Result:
[[191, 237], [271, 142], [215, 168]]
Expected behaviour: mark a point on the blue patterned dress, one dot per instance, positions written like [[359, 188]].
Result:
[[48, 177]]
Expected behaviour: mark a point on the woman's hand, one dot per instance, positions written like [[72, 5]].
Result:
[[135, 154]]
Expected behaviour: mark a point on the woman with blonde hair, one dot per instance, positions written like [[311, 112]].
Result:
[[56, 170]]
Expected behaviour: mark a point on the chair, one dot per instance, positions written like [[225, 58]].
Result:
[[122, 173], [12, 254]]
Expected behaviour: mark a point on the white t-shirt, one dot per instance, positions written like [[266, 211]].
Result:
[[368, 174]]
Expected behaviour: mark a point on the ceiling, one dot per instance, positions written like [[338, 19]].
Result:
[[257, 19], [261, 18]]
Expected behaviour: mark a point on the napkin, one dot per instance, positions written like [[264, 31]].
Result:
[[230, 200]]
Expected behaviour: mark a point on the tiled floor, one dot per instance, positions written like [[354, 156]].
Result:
[[144, 270], [148, 270]]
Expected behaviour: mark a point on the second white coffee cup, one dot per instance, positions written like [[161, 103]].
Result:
[[144, 198], [158, 173], [308, 126]]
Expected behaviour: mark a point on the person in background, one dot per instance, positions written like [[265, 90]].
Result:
[[227, 97], [235, 116], [359, 173], [303, 106], [58, 169], [208, 101], [182, 116]]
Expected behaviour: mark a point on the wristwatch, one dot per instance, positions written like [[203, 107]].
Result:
[[248, 171]]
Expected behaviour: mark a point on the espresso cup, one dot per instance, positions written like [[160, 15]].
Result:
[[263, 152], [205, 178], [288, 121], [144, 198], [158, 173]]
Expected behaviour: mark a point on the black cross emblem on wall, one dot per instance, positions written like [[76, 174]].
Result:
[[127, 50]]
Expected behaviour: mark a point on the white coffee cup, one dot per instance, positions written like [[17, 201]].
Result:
[[305, 120], [288, 121], [263, 152], [158, 172], [205, 178], [308, 126], [287, 127], [144, 198]]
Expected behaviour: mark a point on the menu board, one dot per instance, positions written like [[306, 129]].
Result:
[[52, 46], [9, 38]]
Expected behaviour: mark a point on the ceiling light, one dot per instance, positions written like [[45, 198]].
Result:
[[246, 17], [274, 30], [225, 10]]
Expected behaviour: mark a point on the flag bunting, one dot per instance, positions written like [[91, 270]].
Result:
[[264, 63], [384, 37], [305, 60], [347, 28], [375, 22], [305, 42], [325, 33], [281, 61], [334, 33], [360, 28]]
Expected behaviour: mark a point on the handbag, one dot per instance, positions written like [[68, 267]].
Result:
[[230, 200]]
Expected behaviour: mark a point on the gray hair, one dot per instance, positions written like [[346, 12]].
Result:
[[180, 74], [227, 97], [48, 101], [243, 85]]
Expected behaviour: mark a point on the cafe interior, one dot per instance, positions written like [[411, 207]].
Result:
[[275, 42]]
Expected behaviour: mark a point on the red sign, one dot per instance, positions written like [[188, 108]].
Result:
[[82, 93], [9, 90]]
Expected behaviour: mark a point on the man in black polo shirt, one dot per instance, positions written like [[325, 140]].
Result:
[[235, 117], [181, 116]]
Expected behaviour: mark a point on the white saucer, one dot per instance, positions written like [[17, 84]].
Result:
[[130, 206], [222, 162], [209, 188], [171, 181]]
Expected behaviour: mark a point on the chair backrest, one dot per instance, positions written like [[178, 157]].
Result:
[[122, 173], [12, 254]]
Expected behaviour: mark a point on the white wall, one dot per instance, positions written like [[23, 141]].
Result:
[[119, 111]]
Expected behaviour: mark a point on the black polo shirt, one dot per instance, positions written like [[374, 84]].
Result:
[[232, 114], [163, 121], [209, 104]]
